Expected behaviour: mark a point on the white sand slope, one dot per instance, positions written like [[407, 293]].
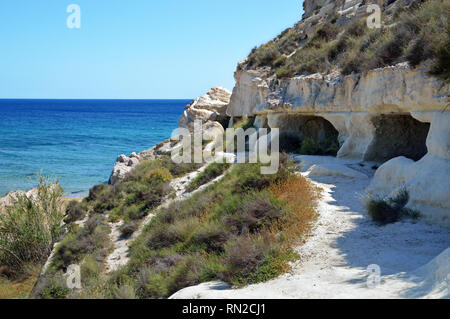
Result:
[[414, 258]]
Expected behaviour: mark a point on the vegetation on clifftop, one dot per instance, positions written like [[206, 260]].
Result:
[[415, 35]]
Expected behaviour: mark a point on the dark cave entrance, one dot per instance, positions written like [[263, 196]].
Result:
[[308, 135], [398, 135]]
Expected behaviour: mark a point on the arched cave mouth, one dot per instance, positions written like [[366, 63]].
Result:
[[397, 135], [308, 135]]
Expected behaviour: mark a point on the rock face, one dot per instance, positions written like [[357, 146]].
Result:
[[210, 107], [379, 116], [396, 116], [124, 164], [426, 180], [11, 198]]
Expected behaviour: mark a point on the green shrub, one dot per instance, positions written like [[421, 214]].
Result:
[[284, 73], [256, 212], [75, 211], [158, 175], [265, 55], [128, 229], [90, 270], [29, 229], [212, 171], [391, 210], [441, 65], [93, 239], [280, 61], [328, 147], [95, 191], [55, 292], [244, 123], [135, 212], [210, 237]]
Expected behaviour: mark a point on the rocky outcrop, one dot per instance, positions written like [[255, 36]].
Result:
[[427, 180], [11, 198], [210, 107], [124, 164]]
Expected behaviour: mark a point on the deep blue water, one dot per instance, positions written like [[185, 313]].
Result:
[[77, 141]]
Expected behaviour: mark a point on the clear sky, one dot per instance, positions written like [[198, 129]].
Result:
[[132, 48]]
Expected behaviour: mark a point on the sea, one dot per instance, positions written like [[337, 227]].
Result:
[[77, 141]]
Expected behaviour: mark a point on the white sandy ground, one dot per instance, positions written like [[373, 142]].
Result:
[[414, 257]]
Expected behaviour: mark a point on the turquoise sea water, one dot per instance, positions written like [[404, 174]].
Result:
[[77, 141]]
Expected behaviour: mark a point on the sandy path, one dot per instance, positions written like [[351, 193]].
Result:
[[344, 243]]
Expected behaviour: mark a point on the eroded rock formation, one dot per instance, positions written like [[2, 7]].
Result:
[[397, 116], [124, 164], [210, 107]]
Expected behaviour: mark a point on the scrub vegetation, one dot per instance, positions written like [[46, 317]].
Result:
[[417, 34], [241, 230], [28, 231], [391, 210]]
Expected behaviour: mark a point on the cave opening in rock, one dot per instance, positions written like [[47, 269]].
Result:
[[308, 135], [397, 135]]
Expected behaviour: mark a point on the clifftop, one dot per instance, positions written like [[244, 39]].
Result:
[[334, 36]]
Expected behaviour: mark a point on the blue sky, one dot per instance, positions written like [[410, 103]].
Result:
[[131, 49]]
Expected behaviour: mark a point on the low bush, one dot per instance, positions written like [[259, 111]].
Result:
[[329, 147], [128, 229], [265, 55], [390, 210], [441, 65], [280, 61], [256, 212], [212, 171], [75, 211], [244, 123], [284, 73], [159, 174], [93, 239]]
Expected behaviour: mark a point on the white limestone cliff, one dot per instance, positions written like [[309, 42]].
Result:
[[379, 116], [209, 107]]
